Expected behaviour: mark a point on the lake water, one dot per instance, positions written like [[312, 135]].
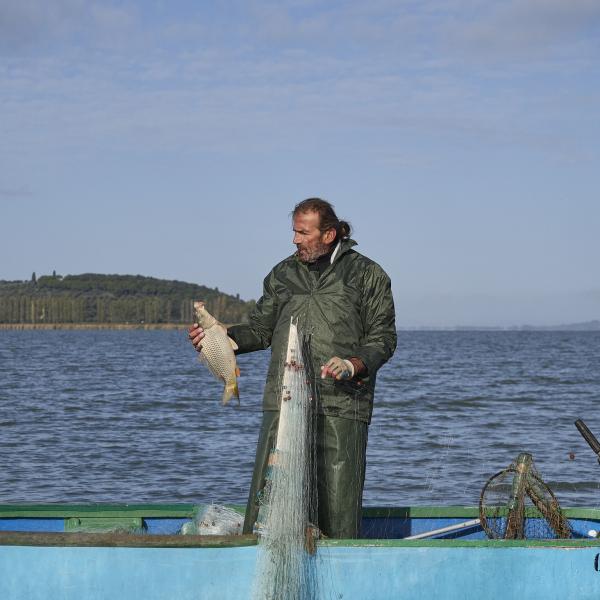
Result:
[[130, 416]]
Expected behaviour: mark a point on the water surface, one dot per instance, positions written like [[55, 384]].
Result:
[[130, 416]]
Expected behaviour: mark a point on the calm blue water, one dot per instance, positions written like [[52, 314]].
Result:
[[131, 416]]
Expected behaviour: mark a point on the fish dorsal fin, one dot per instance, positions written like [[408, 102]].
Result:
[[233, 344]]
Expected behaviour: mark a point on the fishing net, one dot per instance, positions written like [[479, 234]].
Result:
[[516, 504], [214, 519], [285, 525]]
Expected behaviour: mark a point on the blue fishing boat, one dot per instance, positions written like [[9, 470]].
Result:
[[130, 552]]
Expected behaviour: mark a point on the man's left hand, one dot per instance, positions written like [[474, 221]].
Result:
[[338, 368]]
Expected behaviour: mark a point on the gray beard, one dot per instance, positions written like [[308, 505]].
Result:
[[319, 251]]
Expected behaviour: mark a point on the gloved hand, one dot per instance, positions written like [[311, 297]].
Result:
[[338, 368]]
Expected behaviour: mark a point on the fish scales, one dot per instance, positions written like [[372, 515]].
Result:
[[218, 351]]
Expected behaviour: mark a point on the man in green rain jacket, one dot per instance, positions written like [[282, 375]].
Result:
[[343, 300]]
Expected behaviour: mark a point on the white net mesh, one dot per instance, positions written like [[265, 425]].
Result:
[[286, 553], [215, 519]]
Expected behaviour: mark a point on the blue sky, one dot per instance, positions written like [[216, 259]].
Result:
[[461, 139]]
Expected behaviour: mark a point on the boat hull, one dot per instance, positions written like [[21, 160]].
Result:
[[361, 572], [38, 564]]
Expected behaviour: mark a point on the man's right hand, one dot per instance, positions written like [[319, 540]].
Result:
[[196, 334]]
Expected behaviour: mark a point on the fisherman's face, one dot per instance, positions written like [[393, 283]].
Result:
[[309, 240]]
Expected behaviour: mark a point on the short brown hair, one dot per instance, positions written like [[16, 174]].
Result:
[[327, 217]]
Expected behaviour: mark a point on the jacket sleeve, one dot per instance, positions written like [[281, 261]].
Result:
[[379, 320], [257, 333]]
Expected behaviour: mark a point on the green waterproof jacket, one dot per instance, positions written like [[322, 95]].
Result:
[[348, 311]]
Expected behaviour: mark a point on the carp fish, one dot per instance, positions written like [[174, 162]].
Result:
[[217, 352]]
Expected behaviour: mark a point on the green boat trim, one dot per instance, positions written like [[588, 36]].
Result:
[[33, 511], [458, 512], [189, 511], [100, 511]]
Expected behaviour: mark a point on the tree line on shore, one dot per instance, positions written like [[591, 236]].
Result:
[[94, 298]]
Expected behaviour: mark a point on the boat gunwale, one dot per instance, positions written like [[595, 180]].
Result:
[[189, 511], [121, 540]]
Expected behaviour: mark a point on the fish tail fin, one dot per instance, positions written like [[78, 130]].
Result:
[[231, 389]]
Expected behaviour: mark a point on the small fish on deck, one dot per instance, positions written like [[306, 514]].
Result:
[[218, 352]]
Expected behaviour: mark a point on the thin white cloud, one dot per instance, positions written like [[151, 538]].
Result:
[[33, 26], [218, 97], [383, 72], [28, 23], [112, 18], [529, 30], [14, 192]]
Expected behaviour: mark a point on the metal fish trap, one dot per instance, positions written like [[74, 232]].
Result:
[[516, 504]]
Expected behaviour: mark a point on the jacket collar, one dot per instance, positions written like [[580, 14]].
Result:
[[342, 247], [345, 245]]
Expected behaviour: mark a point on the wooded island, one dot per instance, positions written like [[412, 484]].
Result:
[[91, 298]]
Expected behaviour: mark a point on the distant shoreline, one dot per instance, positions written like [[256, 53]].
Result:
[[24, 326], [593, 326]]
